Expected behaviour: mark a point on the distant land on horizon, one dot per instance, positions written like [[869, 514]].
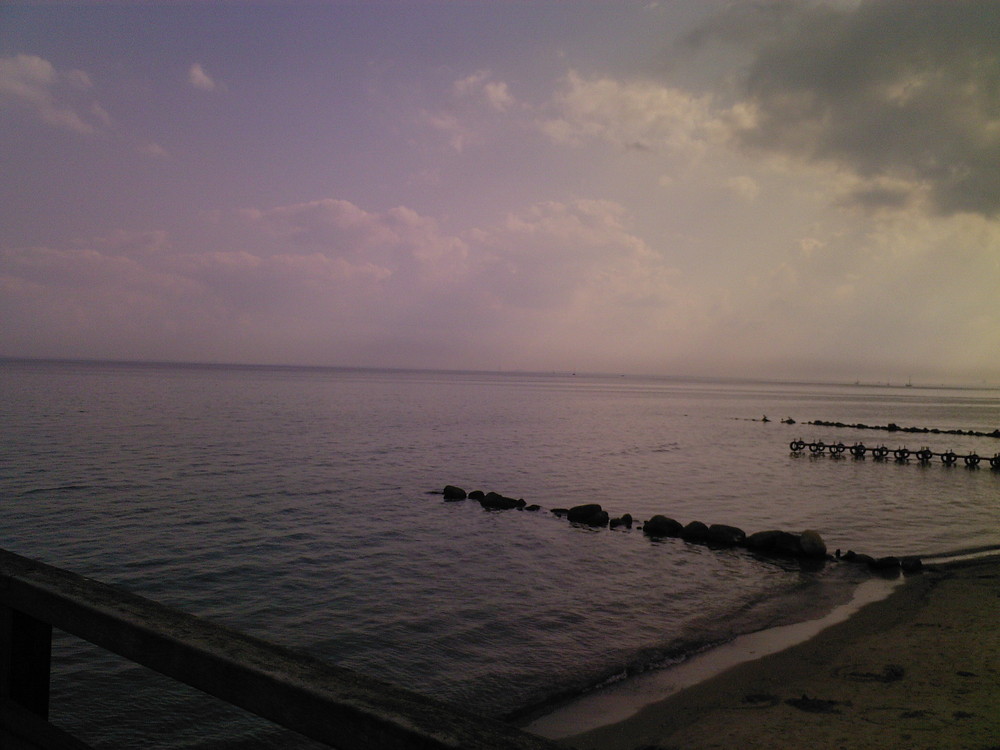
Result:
[[531, 373]]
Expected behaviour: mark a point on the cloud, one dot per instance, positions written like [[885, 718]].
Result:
[[899, 90], [554, 285], [153, 150], [200, 79], [57, 98], [328, 276], [631, 115], [743, 187], [478, 85]]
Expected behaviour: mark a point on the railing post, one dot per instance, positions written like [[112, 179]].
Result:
[[25, 658]]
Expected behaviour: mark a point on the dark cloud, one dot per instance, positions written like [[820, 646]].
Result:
[[902, 89]]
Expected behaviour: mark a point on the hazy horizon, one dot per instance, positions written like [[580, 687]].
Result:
[[791, 191], [693, 377]]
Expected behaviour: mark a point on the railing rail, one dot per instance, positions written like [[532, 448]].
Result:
[[336, 706]]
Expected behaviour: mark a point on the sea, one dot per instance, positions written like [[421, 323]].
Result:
[[298, 504]]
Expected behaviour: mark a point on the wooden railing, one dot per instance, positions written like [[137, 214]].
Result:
[[333, 705]]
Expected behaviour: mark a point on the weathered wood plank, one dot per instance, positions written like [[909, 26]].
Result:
[[333, 705]]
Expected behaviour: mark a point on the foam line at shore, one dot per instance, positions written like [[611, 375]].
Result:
[[622, 700]]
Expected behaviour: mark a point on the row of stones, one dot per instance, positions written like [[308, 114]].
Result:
[[893, 427], [808, 544]]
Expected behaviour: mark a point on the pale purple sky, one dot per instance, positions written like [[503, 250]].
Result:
[[779, 189]]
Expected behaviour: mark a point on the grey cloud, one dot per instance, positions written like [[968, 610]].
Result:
[[57, 98], [907, 89]]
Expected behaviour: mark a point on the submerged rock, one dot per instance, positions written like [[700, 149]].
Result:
[[625, 520]]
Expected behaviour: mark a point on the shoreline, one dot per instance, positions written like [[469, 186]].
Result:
[[918, 668], [622, 700]]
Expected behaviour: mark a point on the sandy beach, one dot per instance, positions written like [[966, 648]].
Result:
[[919, 669]]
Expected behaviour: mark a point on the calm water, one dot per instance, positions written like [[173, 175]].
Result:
[[292, 503]]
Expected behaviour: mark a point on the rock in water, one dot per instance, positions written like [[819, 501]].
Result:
[[662, 526], [726, 536], [625, 520], [590, 514], [695, 531], [451, 492], [812, 544], [496, 501]]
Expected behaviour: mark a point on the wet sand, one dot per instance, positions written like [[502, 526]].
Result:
[[919, 669]]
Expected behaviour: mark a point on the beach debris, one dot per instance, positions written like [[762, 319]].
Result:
[[817, 705], [761, 700], [889, 673]]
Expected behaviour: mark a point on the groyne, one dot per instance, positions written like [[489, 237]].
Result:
[[901, 455], [807, 546], [892, 427]]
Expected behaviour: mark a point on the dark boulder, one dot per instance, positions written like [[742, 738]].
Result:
[[911, 564], [454, 493], [885, 563], [590, 514], [625, 520], [812, 544], [725, 536], [560, 512], [662, 526], [856, 557], [496, 501], [695, 531], [532, 508], [774, 541], [477, 495]]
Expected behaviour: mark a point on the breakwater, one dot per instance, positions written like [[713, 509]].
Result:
[[893, 427], [807, 545], [902, 454]]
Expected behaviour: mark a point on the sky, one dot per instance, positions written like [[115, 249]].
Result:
[[779, 189]]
